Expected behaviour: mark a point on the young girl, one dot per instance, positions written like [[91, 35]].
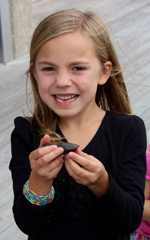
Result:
[[143, 232], [96, 191]]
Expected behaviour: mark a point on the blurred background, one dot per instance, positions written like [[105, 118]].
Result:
[[128, 24]]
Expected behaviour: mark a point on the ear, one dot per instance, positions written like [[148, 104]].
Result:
[[33, 71], [106, 72]]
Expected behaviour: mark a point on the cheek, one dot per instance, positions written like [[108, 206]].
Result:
[[42, 88], [90, 83], [85, 81], [44, 92], [43, 84]]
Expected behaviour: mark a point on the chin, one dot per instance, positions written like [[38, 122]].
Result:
[[66, 115]]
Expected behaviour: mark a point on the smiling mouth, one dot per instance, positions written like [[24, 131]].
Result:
[[66, 98]]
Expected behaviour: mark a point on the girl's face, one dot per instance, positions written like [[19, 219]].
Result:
[[68, 72]]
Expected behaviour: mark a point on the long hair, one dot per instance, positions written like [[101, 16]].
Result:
[[111, 96]]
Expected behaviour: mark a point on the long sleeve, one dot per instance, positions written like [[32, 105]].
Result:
[[126, 164], [29, 218]]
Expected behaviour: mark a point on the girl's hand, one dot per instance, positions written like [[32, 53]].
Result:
[[88, 171], [46, 163]]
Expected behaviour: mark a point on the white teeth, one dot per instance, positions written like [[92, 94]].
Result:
[[66, 98]]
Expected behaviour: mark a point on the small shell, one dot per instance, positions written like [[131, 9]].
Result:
[[65, 145]]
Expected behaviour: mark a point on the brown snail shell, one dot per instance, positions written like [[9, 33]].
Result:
[[65, 145]]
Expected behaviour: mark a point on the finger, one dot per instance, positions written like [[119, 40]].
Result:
[[79, 174], [53, 174], [51, 169], [73, 166], [83, 154], [56, 165], [44, 140], [69, 166], [84, 160], [47, 162], [39, 152], [50, 154]]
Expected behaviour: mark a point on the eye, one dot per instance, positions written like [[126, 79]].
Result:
[[79, 68], [49, 69]]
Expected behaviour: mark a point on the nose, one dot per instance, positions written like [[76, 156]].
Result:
[[63, 79]]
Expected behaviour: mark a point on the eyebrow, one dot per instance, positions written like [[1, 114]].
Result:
[[45, 62], [79, 63], [72, 63]]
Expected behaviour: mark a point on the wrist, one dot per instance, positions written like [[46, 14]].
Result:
[[100, 187], [39, 185]]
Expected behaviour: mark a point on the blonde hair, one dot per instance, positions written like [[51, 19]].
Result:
[[110, 96]]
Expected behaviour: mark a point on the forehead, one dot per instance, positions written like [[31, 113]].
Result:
[[73, 44]]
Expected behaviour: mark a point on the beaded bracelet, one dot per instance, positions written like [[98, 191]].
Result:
[[35, 198]]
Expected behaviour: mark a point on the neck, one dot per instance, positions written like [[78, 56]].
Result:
[[81, 130], [82, 120]]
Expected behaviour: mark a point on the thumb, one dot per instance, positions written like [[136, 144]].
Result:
[[79, 152], [83, 154], [44, 140]]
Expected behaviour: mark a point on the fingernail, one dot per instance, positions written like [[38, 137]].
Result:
[[70, 154]]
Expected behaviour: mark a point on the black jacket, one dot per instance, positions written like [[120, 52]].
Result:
[[75, 213]]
